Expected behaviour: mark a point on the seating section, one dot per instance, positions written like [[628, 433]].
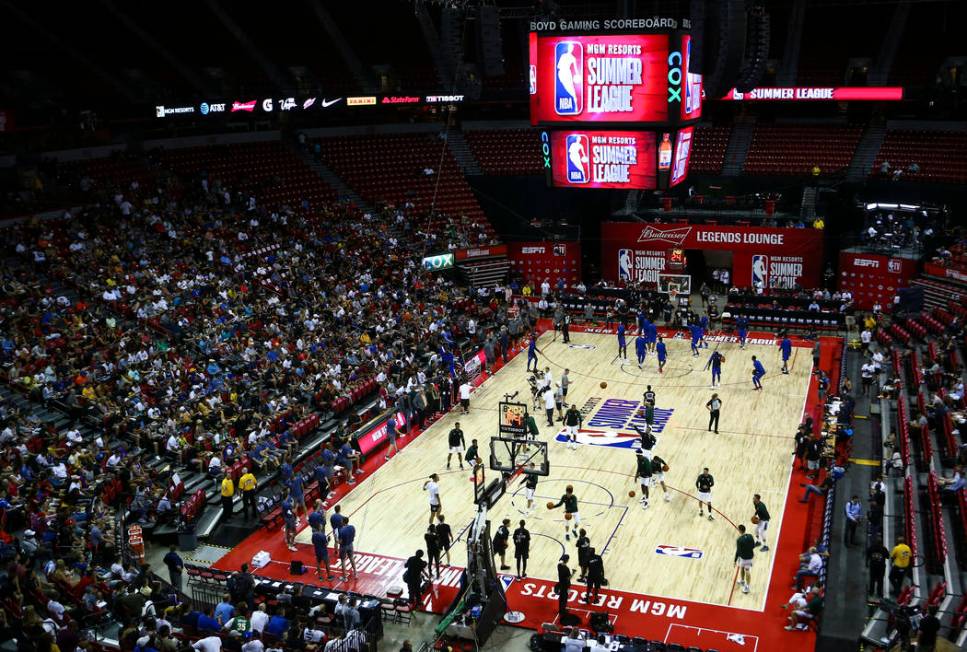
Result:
[[796, 149], [940, 155], [273, 173], [708, 152], [507, 151], [392, 168]]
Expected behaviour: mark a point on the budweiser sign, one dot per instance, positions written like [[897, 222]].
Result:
[[673, 236]]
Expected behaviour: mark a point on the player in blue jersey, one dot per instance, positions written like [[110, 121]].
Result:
[[622, 343], [662, 354], [742, 327], [715, 363], [696, 336], [641, 348], [532, 351], [642, 320], [651, 334], [786, 347], [758, 371], [703, 328]]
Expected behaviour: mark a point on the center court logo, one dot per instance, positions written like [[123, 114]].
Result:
[[577, 158], [612, 425], [569, 86]]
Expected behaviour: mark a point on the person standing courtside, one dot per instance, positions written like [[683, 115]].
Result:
[[432, 549], [762, 516], [444, 535], [563, 586], [704, 484], [714, 405], [456, 443], [522, 545], [248, 485], [228, 495]]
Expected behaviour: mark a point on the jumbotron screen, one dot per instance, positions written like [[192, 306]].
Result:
[[603, 159], [634, 78]]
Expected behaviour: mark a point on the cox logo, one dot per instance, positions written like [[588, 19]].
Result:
[[546, 149], [674, 77]]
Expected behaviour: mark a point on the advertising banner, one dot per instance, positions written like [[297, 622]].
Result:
[[603, 78], [778, 258], [536, 261], [481, 252], [874, 278], [814, 94], [683, 153], [945, 272], [603, 159]]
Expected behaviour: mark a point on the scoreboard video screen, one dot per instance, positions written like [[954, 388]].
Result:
[[612, 78], [603, 159], [683, 152]]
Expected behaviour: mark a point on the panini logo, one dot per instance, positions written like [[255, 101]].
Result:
[[361, 101], [673, 236]]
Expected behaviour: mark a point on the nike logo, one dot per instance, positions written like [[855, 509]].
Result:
[[327, 103]]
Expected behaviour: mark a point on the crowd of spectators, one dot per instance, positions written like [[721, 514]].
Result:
[[183, 322]]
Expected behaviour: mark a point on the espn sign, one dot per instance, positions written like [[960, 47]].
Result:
[[532, 250], [866, 262]]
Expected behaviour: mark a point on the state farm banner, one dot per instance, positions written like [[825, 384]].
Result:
[[874, 278], [536, 261], [779, 258]]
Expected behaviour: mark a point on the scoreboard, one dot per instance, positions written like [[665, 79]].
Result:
[[614, 79], [615, 108]]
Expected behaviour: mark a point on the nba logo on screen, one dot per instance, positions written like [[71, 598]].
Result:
[[760, 274], [568, 87], [577, 158]]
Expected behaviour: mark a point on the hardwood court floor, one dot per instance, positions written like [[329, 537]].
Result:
[[752, 454]]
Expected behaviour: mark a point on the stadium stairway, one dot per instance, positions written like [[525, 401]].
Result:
[[462, 154], [866, 151], [330, 177], [738, 147], [807, 207], [937, 293]]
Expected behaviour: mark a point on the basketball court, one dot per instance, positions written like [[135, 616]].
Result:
[[664, 561]]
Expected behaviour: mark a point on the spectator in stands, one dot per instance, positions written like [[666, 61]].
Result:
[[804, 607], [810, 565]]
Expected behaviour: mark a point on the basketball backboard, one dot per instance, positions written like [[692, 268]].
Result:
[[515, 455]]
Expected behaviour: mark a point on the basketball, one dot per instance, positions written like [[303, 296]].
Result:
[[755, 520], [631, 494], [604, 385], [664, 467], [550, 505], [567, 517], [722, 359]]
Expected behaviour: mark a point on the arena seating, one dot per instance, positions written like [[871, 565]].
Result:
[[941, 155], [273, 173], [391, 168], [507, 151], [795, 149], [708, 151]]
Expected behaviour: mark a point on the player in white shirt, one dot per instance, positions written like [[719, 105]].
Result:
[[465, 397], [432, 487]]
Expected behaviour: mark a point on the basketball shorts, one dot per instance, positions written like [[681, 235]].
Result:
[[705, 496]]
